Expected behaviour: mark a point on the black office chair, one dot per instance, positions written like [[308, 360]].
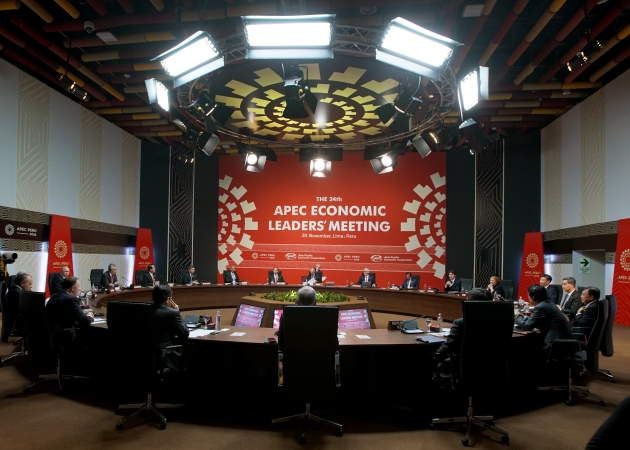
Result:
[[304, 278], [567, 354], [483, 368], [417, 278], [95, 278], [508, 287], [607, 349], [51, 275], [558, 289], [137, 367], [467, 284], [310, 360], [9, 318], [140, 275]]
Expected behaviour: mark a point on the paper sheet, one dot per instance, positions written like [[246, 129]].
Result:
[[200, 333], [363, 336], [99, 320], [237, 333]]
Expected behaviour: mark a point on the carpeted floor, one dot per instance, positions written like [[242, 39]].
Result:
[[83, 418]]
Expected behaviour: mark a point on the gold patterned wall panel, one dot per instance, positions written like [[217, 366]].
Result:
[[32, 144], [129, 189], [593, 160], [552, 176], [90, 165]]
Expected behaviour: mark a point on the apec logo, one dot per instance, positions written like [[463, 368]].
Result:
[[376, 258], [290, 256]]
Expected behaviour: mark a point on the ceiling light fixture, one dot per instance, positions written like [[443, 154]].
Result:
[[73, 88], [157, 93], [298, 94], [472, 88], [383, 160], [254, 158], [398, 115]]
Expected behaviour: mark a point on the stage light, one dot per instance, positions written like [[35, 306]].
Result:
[[406, 45], [73, 88], [384, 159], [205, 106], [204, 140], [407, 102], [196, 56], [289, 37], [157, 93], [254, 158], [421, 144], [472, 88], [320, 168], [320, 159], [476, 138], [297, 92]]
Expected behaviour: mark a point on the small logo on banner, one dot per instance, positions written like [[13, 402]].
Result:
[[376, 258], [532, 260], [254, 255], [624, 260], [144, 252], [61, 249], [337, 257], [290, 256], [9, 230]]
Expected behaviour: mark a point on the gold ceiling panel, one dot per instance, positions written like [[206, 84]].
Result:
[[371, 131], [320, 89], [347, 128], [262, 118], [360, 99], [310, 131], [361, 123], [346, 136], [274, 125], [292, 137], [267, 77], [273, 95], [240, 89], [369, 107], [229, 101], [256, 110], [339, 103], [380, 87], [390, 97], [291, 129], [326, 100], [329, 130], [237, 115], [319, 137], [260, 102], [267, 132], [347, 92], [350, 76], [312, 71]]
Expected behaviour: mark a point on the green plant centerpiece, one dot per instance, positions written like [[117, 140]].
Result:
[[291, 297]]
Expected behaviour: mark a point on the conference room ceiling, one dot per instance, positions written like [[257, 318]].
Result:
[[525, 43]]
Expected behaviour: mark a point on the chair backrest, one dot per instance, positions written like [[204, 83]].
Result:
[[140, 275], [304, 278], [580, 289], [51, 275], [132, 345], [558, 289], [467, 284], [95, 276], [508, 287], [33, 314], [8, 319], [310, 342], [417, 278], [607, 347], [595, 338], [183, 273], [486, 339]]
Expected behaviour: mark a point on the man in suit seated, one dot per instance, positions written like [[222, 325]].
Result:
[[571, 300], [448, 353], [57, 278], [306, 296], [190, 277], [409, 283], [168, 329], [453, 284], [23, 282], [312, 277], [231, 277], [64, 312], [275, 277], [109, 280], [587, 315], [552, 294], [367, 278], [148, 279]]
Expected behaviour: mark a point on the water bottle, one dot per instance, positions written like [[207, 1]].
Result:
[[439, 321], [425, 288], [217, 323], [388, 285], [347, 284]]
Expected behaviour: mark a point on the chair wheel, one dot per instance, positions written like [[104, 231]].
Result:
[[340, 433], [465, 442], [601, 403], [302, 440], [162, 426], [569, 403], [505, 439], [119, 426]]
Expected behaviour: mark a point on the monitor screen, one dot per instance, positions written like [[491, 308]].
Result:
[[249, 316], [354, 319], [277, 313]]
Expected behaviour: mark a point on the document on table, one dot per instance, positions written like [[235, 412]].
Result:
[[201, 333], [237, 333], [363, 336], [429, 339], [99, 320]]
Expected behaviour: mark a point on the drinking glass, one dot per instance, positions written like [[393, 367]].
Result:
[[205, 319], [429, 322]]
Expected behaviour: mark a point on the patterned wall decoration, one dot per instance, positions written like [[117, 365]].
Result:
[[20, 245], [90, 168], [85, 264], [82, 224], [551, 177], [181, 213], [130, 179], [101, 249], [596, 229], [489, 214], [21, 215], [565, 258], [593, 159], [32, 148]]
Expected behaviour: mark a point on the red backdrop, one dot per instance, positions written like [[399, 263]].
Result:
[[144, 250], [59, 247], [284, 217], [621, 278], [533, 264]]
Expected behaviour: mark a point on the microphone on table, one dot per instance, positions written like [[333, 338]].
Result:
[[410, 324], [126, 280]]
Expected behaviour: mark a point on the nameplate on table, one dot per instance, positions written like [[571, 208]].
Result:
[[205, 283], [136, 286], [394, 324]]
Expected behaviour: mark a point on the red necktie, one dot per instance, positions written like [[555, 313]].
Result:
[[111, 278], [366, 278]]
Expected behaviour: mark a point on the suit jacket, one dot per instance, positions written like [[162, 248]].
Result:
[[64, 311], [370, 279], [105, 280], [187, 278], [456, 286], [552, 294], [272, 280], [588, 317], [318, 274], [12, 315], [55, 283], [227, 277], [498, 290], [409, 284], [570, 308], [146, 279], [318, 279], [453, 342], [549, 320], [168, 329]]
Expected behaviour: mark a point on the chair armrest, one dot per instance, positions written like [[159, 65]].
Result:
[[280, 368], [337, 369]]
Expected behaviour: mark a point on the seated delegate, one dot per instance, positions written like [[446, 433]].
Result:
[[409, 283], [495, 288], [367, 277], [231, 277], [453, 284], [312, 277], [275, 277], [588, 313]]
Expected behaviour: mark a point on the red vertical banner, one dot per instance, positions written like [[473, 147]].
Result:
[[144, 250], [621, 278], [59, 247], [533, 263]]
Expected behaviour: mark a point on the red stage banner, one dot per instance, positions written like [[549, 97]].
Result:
[[59, 247], [144, 250], [621, 278], [533, 264], [390, 223]]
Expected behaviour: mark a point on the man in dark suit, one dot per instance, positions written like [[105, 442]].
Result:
[[409, 283], [552, 294], [312, 277], [571, 301], [230, 276], [168, 328], [190, 277], [306, 296], [23, 282], [56, 278], [318, 271], [453, 284], [587, 315], [148, 279], [109, 280], [64, 313], [367, 278], [275, 277], [546, 317]]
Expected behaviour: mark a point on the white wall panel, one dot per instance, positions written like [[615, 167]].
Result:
[[571, 167], [111, 173], [9, 77]]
